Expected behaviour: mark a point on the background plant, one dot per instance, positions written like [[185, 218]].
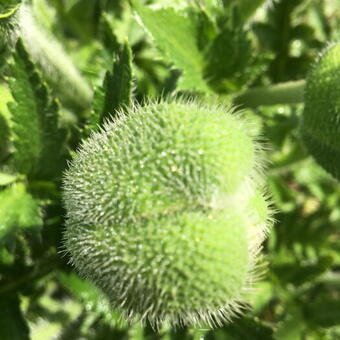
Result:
[[205, 49]]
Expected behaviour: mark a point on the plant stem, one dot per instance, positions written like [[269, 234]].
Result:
[[285, 93], [58, 68]]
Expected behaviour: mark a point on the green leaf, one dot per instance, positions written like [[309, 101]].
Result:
[[18, 209], [6, 179], [107, 35], [92, 297], [116, 91], [6, 97], [176, 33], [305, 272], [12, 323], [38, 140], [79, 15], [79, 288], [73, 329], [98, 104], [4, 137], [8, 28], [243, 329], [229, 57], [248, 7], [8, 8], [323, 308], [292, 324], [69, 4]]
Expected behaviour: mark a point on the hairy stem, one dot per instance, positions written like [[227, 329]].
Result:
[[285, 93], [56, 65]]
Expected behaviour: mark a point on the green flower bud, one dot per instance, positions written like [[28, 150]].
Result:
[[165, 212], [320, 125]]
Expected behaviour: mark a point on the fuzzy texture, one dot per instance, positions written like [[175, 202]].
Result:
[[320, 125], [57, 67], [165, 212], [8, 28]]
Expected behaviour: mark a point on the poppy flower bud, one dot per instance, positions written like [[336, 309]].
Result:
[[165, 212], [320, 124]]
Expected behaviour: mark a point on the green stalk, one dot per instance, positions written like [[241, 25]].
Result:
[[285, 93], [59, 70]]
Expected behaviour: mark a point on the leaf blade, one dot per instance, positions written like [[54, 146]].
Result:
[[18, 209], [116, 91], [38, 140], [176, 33]]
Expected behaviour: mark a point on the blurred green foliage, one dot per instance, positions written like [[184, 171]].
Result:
[[199, 48]]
